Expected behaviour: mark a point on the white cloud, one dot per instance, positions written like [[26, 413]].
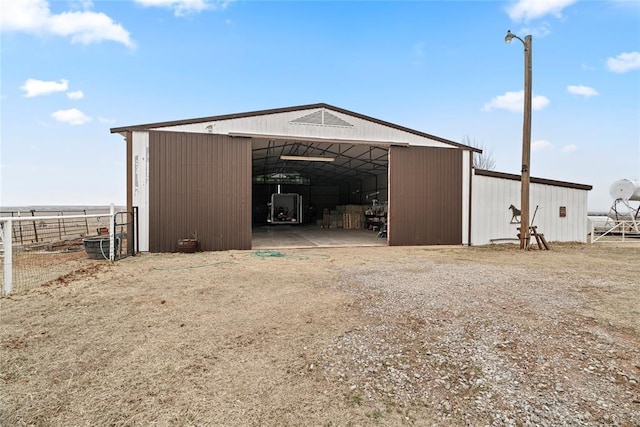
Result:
[[585, 91], [78, 94], [538, 32], [540, 145], [85, 27], [72, 116], [106, 120], [81, 4], [186, 7], [34, 87], [527, 10], [624, 62], [418, 49], [514, 101], [570, 148]]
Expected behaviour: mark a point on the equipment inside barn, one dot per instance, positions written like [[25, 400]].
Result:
[[285, 208]]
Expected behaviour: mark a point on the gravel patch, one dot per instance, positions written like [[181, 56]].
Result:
[[483, 345]]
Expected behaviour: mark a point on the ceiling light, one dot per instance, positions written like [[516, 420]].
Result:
[[308, 158]]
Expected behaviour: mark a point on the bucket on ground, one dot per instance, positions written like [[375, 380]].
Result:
[[98, 247]]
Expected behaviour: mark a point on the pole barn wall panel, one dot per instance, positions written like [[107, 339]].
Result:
[[425, 196], [494, 192], [200, 184]]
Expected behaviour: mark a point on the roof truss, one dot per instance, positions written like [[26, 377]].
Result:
[[351, 161]]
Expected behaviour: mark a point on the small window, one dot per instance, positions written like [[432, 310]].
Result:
[[563, 211]]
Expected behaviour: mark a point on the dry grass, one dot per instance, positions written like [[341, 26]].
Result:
[[232, 338]]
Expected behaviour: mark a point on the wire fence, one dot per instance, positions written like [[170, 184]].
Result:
[[40, 247], [68, 225]]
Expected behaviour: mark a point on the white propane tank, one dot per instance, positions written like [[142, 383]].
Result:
[[625, 189]]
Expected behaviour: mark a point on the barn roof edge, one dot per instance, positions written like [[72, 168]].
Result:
[[148, 126], [533, 180]]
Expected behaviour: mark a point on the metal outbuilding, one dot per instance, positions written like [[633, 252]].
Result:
[[558, 208], [212, 176]]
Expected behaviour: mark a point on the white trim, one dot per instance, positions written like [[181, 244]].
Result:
[[140, 185], [31, 218], [315, 139], [7, 280], [466, 188]]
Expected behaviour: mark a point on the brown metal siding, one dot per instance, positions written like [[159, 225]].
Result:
[[425, 196], [199, 183]]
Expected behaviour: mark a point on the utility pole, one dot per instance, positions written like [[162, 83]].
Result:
[[525, 171]]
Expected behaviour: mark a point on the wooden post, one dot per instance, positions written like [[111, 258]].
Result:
[[526, 146]]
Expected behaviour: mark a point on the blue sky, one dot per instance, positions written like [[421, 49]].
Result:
[[70, 70]]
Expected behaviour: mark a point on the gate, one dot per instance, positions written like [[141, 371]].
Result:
[[125, 227]]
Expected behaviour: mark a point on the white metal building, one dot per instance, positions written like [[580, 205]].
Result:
[[561, 213]]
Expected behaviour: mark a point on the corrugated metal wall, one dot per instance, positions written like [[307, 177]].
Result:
[[492, 196], [425, 196], [199, 183]]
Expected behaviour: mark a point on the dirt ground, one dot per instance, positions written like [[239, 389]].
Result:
[[339, 336]]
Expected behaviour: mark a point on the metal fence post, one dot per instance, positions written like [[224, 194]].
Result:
[[35, 228], [86, 222], [20, 228], [112, 234], [60, 227]]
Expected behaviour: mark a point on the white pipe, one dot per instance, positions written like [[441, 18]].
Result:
[[7, 283], [31, 218]]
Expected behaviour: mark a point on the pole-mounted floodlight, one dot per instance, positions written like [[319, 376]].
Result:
[[525, 232], [510, 36]]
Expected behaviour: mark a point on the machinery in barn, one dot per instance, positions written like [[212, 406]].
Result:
[[285, 208]]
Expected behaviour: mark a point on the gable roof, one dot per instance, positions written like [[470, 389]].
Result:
[[311, 118]]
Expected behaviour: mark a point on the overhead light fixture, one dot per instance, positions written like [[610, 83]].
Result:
[[510, 36], [308, 158]]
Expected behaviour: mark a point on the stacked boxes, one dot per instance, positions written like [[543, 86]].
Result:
[[335, 218], [352, 217], [326, 218], [352, 220], [349, 217]]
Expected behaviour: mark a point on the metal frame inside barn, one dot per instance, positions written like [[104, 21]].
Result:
[[212, 176]]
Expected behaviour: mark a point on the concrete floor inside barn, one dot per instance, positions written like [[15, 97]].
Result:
[[311, 236]]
